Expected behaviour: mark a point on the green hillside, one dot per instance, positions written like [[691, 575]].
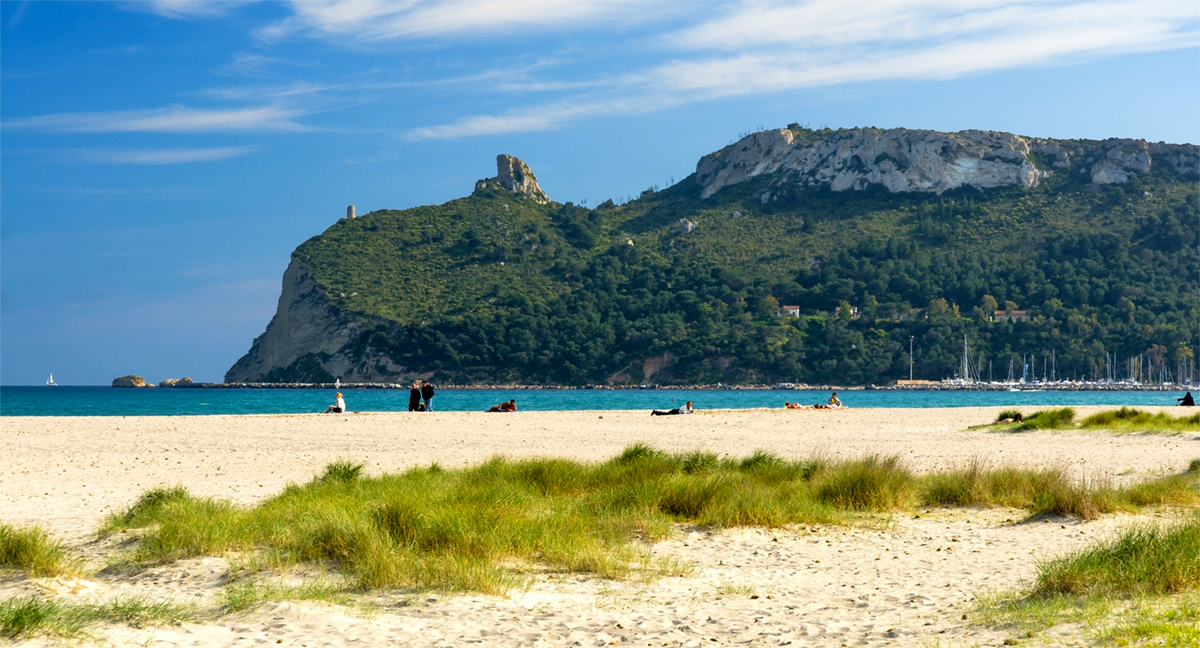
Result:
[[495, 287]]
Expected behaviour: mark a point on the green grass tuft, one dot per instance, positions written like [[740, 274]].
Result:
[[870, 484], [1147, 560], [33, 550], [342, 471], [1123, 420], [1051, 419], [1194, 467], [30, 616], [1134, 420]]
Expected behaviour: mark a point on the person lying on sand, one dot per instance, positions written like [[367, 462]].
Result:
[[510, 406], [686, 409], [1010, 419], [337, 408], [788, 405]]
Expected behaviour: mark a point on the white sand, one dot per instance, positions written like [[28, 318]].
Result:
[[906, 584]]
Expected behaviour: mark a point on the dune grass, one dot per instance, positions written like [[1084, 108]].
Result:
[[33, 551], [485, 528], [1129, 419], [1052, 492], [1141, 587], [30, 616], [1144, 560], [480, 528], [1123, 420]]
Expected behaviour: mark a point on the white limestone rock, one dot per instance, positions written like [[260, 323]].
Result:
[[904, 160], [899, 159], [514, 175]]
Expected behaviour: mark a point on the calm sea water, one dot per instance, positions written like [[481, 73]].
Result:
[[106, 401]]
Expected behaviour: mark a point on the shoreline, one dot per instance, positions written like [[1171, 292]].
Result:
[[998, 387]]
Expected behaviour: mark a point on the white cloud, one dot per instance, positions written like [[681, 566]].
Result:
[[762, 47], [173, 119], [384, 20], [161, 156], [187, 9]]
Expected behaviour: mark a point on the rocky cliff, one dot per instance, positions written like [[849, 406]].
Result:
[[514, 175], [312, 339], [904, 160]]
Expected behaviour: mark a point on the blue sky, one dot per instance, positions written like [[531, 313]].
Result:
[[160, 161]]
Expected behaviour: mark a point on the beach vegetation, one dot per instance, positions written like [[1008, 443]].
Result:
[[1142, 560], [28, 616], [249, 594], [1051, 491], [487, 527], [1123, 420], [1049, 419], [1128, 419], [1139, 588], [32, 550]]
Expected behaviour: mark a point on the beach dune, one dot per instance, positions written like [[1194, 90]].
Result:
[[907, 582]]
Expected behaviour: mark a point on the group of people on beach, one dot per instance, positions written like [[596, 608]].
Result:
[[834, 403], [420, 397]]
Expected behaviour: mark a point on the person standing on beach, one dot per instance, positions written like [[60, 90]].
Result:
[[427, 394], [414, 397]]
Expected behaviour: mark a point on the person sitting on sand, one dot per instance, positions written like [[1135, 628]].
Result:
[[1187, 400], [686, 409], [337, 408], [834, 402], [510, 406]]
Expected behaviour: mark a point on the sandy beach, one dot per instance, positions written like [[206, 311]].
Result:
[[906, 581]]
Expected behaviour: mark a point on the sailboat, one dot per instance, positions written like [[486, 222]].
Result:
[[50, 381]]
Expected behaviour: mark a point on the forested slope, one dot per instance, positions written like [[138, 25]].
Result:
[[675, 288]]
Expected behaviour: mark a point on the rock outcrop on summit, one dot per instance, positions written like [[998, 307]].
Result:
[[904, 160], [514, 175]]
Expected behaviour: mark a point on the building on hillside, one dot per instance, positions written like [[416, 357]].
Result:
[[794, 311], [853, 311], [1010, 316]]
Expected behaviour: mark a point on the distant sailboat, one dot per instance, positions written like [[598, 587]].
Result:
[[50, 381]]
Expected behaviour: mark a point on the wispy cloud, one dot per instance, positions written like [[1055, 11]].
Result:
[[691, 52], [186, 9], [764, 47], [160, 156], [270, 92], [384, 20], [173, 119]]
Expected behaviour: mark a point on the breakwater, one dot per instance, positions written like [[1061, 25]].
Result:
[[948, 386]]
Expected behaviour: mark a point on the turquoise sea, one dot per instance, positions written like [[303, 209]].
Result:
[[107, 401]]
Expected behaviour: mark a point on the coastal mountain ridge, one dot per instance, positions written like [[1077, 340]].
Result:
[[870, 236]]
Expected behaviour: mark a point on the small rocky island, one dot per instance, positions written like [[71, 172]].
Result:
[[131, 381]]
